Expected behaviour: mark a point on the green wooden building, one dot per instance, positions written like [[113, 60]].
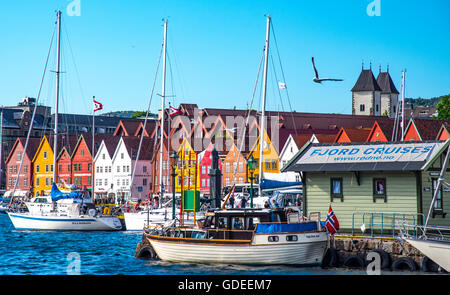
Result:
[[373, 186]]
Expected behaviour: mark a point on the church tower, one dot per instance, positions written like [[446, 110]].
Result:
[[389, 94], [366, 95]]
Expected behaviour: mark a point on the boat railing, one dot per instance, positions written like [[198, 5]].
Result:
[[429, 232], [200, 233], [384, 223]]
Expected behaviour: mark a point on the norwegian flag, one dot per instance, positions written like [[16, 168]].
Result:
[[332, 222], [173, 111], [97, 105]]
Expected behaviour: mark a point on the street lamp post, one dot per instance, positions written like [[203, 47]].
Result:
[[174, 159], [251, 167]]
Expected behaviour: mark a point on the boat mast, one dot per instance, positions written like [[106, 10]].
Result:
[[55, 141], [403, 103], [263, 106], [161, 152]]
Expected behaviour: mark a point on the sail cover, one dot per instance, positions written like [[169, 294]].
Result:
[[271, 184], [58, 195]]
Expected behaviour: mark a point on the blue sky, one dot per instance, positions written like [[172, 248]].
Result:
[[111, 50]]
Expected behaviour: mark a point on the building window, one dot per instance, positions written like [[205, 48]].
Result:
[[51, 168], [267, 165], [45, 155], [118, 168], [25, 168], [227, 167], [203, 170], [336, 189], [46, 168], [37, 182], [89, 180], [362, 108], [241, 167], [144, 181], [376, 108], [121, 155], [68, 167], [103, 156], [82, 152], [438, 205], [144, 169], [89, 166], [79, 167], [75, 167], [379, 189], [274, 165], [19, 156]]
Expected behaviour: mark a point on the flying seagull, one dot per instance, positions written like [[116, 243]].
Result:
[[319, 80]]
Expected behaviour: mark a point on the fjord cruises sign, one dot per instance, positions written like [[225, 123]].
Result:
[[416, 152]]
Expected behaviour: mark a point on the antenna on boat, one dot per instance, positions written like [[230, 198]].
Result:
[[263, 106], [58, 55]]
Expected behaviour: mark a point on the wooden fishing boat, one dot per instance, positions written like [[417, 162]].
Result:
[[243, 236]]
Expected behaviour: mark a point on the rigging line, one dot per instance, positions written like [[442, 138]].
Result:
[[171, 79], [247, 119], [76, 70], [16, 183], [177, 67], [282, 74], [276, 82], [146, 117]]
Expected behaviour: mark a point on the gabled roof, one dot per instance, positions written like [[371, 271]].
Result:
[[385, 126], [366, 82], [386, 84], [126, 127], [354, 134], [149, 128], [33, 144], [427, 129]]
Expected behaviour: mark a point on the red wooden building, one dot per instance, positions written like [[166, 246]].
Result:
[[12, 163], [205, 163]]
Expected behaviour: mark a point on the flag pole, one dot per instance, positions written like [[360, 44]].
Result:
[[93, 145]]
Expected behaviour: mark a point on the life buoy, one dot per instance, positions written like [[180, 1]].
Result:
[[331, 258], [107, 211], [404, 264], [385, 259], [428, 265], [354, 261]]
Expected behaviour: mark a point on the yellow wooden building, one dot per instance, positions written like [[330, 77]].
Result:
[[43, 168], [187, 168], [270, 157]]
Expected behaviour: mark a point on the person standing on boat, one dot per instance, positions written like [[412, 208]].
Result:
[[232, 201], [243, 202]]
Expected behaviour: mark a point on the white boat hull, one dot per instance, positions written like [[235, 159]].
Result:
[[308, 250], [438, 251], [25, 221], [137, 220]]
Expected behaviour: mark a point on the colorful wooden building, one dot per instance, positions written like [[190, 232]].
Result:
[[12, 163], [205, 162], [43, 167]]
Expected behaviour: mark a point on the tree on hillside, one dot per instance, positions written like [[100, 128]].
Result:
[[138, 114], [443, 108]]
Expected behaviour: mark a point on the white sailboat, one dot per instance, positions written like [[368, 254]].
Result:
[[436, 243], [61, 210]]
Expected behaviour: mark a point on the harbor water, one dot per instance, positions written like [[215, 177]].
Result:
[[111, 253]]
